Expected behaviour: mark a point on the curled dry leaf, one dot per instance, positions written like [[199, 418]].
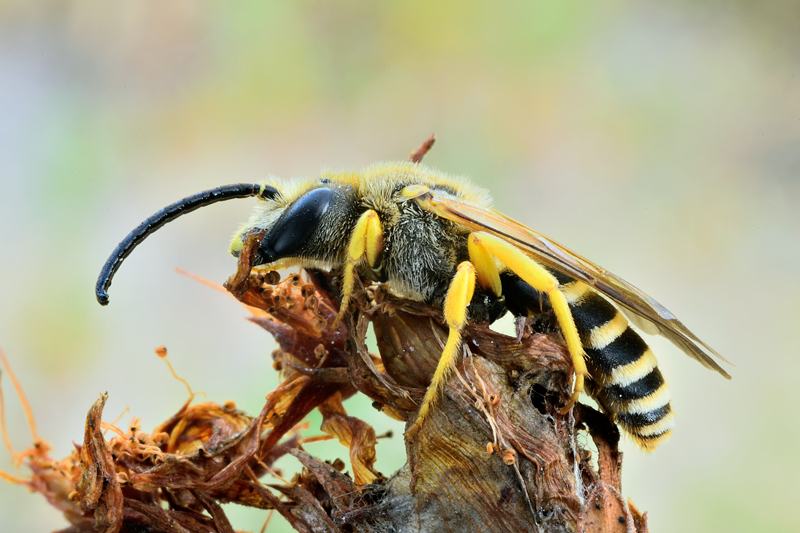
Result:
[[98, 488], [356, 435]]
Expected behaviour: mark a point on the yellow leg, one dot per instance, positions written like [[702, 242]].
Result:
[[367, 239], [485, 266], [458, 297], [540, 279], [374, 238]]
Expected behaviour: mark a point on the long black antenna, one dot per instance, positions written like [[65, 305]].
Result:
[[168, 214]]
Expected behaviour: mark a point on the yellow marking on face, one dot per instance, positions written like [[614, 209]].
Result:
[[651, 402], [627, 374], [602, 336], [236, 246]]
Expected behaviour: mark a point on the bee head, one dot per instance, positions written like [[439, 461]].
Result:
[[307, 221], [287, 234]]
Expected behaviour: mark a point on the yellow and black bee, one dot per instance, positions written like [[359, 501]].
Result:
[[436, 239]]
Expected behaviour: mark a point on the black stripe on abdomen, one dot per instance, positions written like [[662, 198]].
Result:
[[592, 311], [638, 389]]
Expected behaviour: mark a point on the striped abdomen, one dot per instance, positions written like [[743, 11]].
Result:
[[626, 381]]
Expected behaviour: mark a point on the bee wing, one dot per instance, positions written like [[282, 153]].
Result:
[[645, 312]]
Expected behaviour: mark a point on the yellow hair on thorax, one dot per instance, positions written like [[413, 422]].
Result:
[[379, 180]]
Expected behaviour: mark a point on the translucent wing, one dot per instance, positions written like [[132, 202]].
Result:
[[645, 312]]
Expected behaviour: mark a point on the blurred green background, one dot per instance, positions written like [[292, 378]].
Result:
[[661, 141]]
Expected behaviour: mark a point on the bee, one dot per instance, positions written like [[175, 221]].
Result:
[[436, 239]]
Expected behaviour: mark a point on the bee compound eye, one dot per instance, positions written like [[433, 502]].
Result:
[[295, 226]]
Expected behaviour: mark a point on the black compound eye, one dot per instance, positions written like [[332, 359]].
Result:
[[295, 226]]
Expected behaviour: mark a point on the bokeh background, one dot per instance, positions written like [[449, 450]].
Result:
[[661, 141]]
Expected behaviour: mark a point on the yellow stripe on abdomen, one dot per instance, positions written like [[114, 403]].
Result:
[[602, 336]]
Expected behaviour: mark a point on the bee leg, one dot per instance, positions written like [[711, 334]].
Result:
[[459, 294], [543, 281], [367, 239]]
